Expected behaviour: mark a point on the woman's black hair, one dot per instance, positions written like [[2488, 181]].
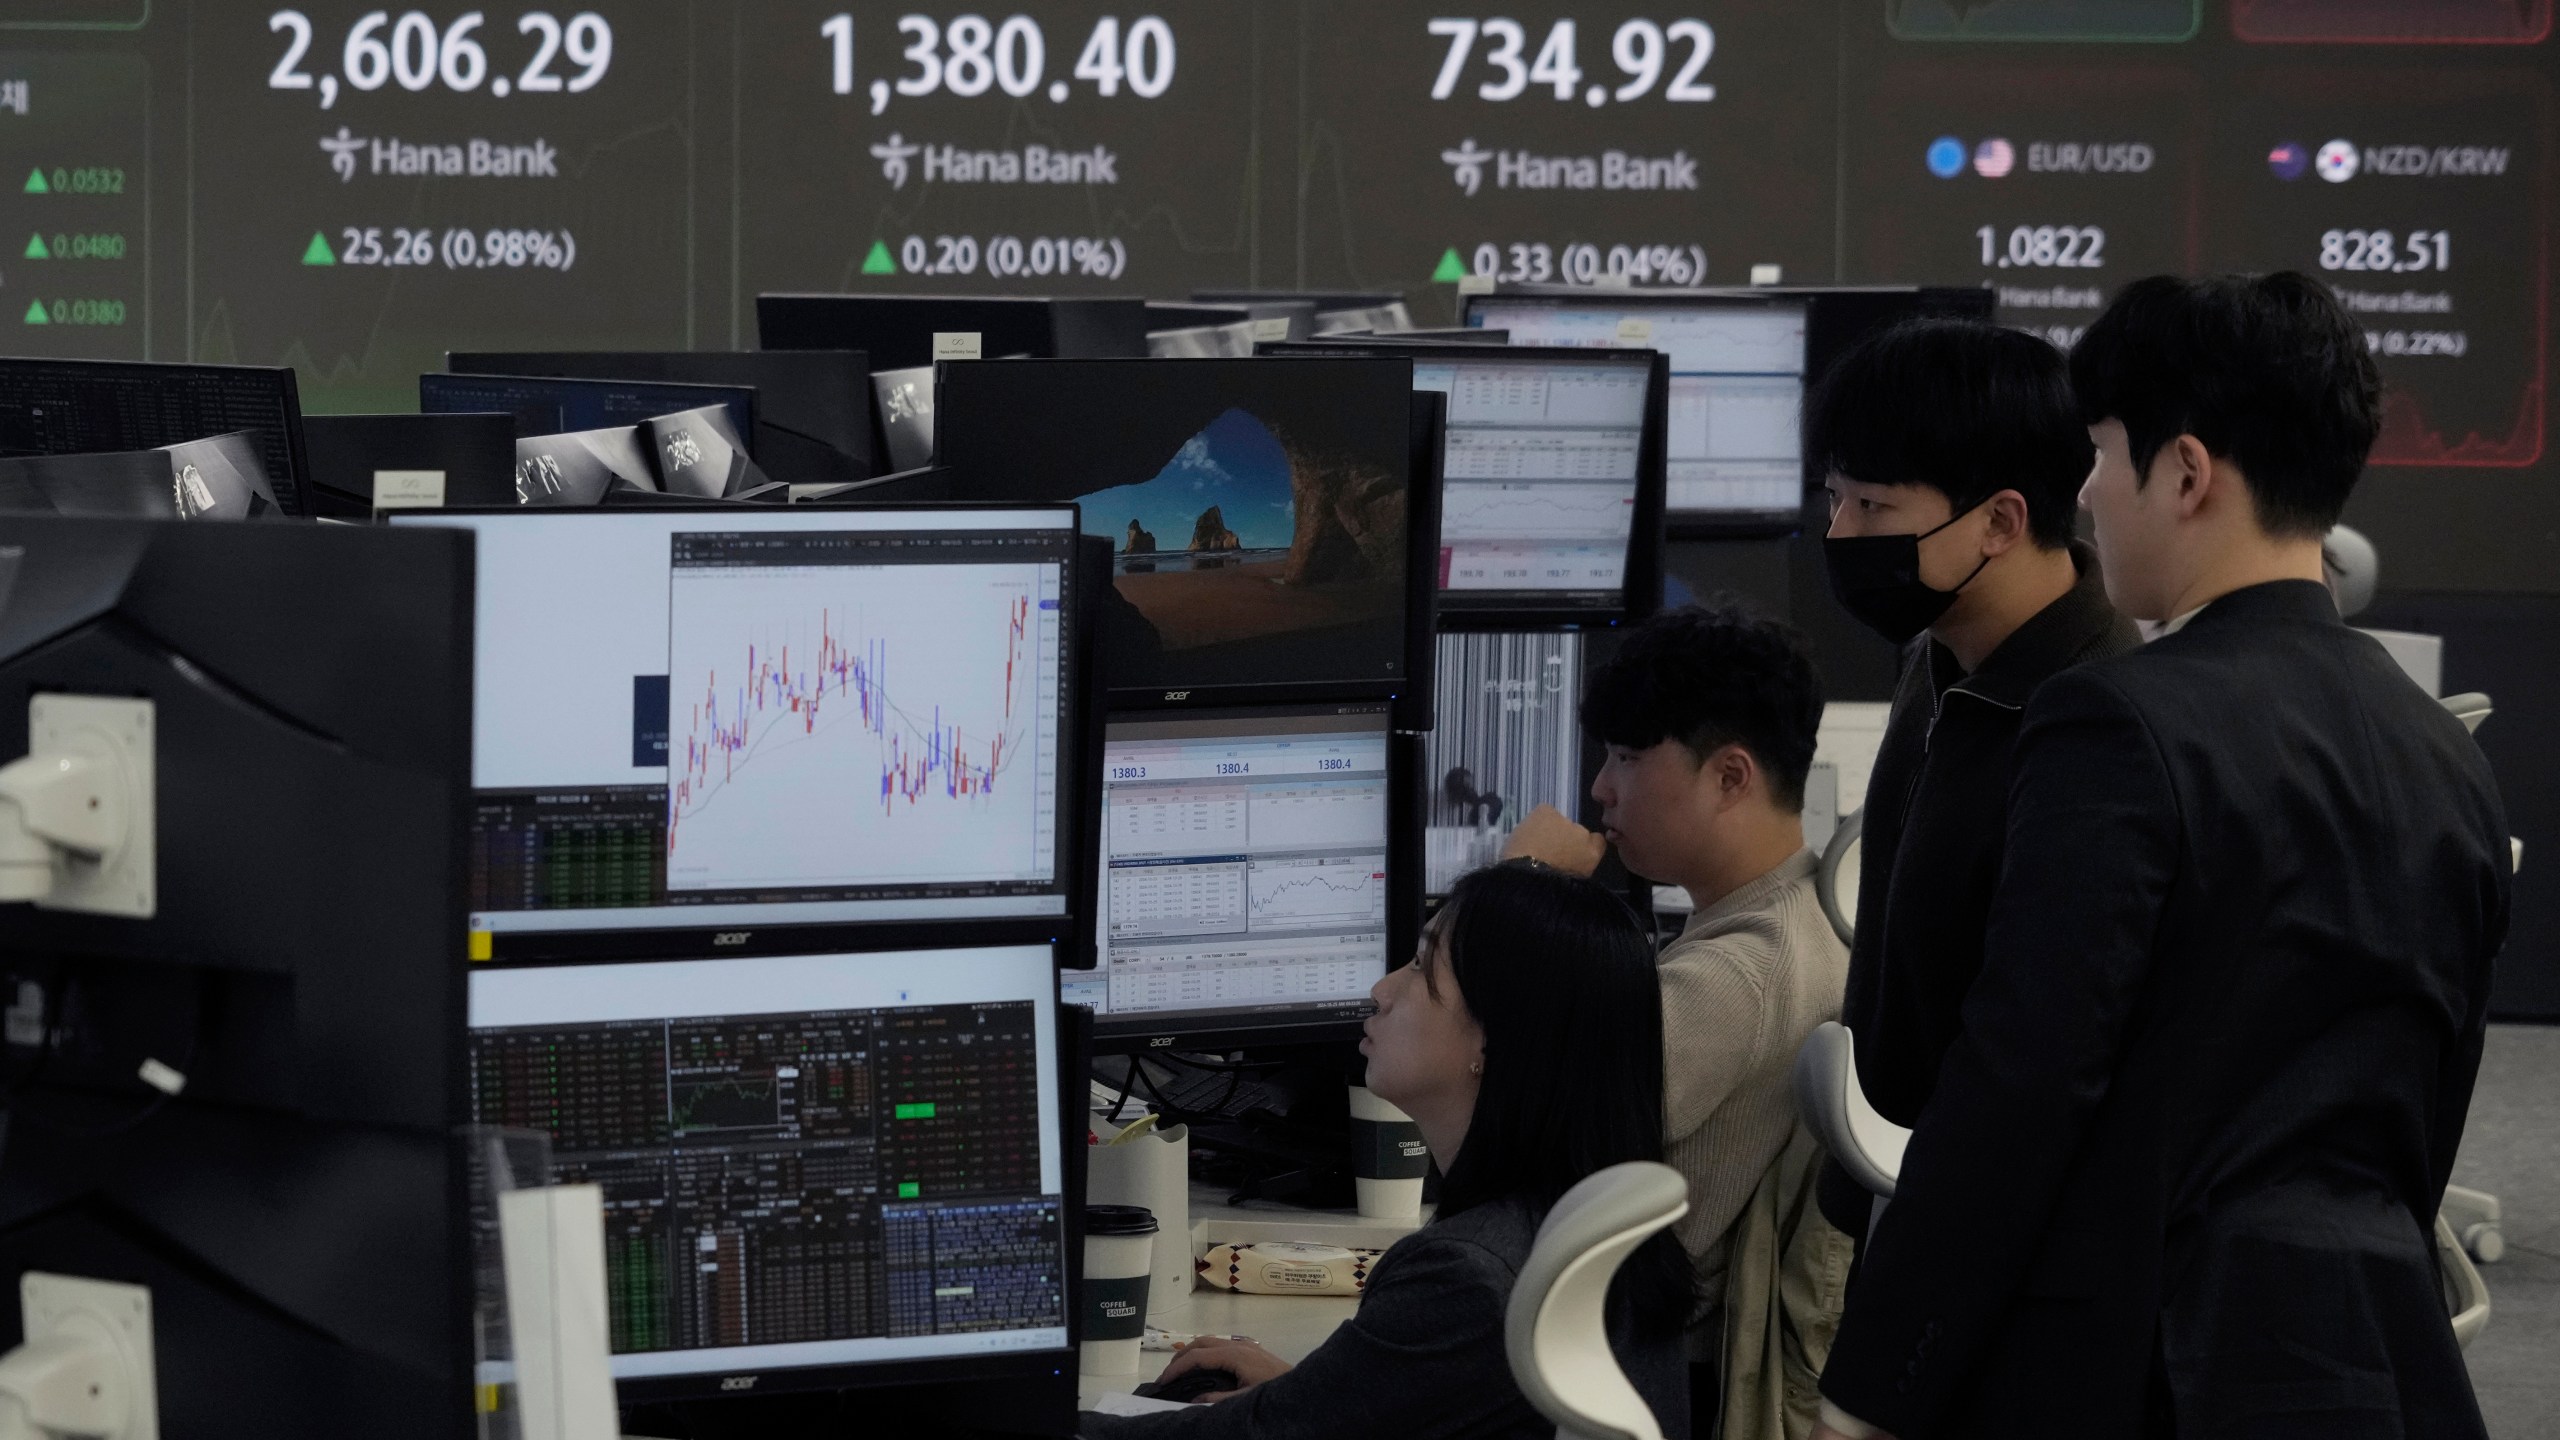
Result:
[[1558, 975]]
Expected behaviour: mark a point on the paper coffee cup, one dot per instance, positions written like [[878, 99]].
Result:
[[1119, 1251], [1388, 1158]]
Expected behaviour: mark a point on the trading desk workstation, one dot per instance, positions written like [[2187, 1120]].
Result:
[[600, 904]]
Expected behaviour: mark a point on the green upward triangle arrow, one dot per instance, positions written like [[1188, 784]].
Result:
[[36, 185], [318, 251], [36, 315], [36, 250], [878, 261], [1452, 269]]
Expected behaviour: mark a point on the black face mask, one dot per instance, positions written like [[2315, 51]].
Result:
[[1877, 579]]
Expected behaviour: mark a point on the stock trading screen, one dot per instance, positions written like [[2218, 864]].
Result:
[[817, 1160], [814, 717], [355, 190], [1245, 869]]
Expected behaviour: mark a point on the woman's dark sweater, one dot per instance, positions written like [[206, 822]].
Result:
[[1423, 1358]]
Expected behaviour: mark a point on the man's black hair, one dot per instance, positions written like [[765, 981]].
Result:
[[2268, 371], [1965, 408], [1708, 677]]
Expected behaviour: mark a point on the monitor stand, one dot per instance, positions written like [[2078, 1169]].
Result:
[[1284, 1135]]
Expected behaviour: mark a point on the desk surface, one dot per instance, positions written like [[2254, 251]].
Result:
[[1289, 1326]]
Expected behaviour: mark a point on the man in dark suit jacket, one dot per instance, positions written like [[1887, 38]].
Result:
[[2178, 1173]]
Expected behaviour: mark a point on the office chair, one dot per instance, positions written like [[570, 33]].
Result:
[[1834, 1107], [2473, 1214], [1835, 884], [1555, 1330]]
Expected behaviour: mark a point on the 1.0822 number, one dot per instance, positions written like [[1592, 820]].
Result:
[[2044, 247]]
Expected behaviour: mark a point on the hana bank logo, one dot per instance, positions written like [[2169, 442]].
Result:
[[893, 155], [1467, 164]]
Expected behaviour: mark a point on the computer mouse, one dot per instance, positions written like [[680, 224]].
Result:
[[1190, 1385]]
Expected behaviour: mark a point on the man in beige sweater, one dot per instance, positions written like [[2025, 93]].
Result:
[[1709, 718]]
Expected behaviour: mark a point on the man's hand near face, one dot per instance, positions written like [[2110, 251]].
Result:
[[1545, 836]]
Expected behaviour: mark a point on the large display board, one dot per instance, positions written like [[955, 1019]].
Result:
[[354, 190]]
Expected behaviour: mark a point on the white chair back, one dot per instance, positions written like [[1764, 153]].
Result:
[[1835, 884], [1835, 1109], [1556, 1329]]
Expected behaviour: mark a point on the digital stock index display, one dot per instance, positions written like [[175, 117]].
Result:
[[354, 190]]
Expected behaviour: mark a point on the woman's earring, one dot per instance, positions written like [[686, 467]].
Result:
[[1475, 1067]]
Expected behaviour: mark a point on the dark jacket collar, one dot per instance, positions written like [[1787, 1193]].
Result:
[[2052, 640], [2300, 601]]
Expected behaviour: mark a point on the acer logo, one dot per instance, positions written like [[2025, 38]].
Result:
[[1161, 1042], [1177, 694], [732, 937], [739, 1382]]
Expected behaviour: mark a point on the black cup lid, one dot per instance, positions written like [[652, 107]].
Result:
[[1119, 1220]]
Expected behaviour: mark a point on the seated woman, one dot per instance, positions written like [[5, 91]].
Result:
[[1525, 1038]]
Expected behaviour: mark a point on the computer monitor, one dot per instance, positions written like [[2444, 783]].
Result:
[[73, 407], [292, 1206], [812, 407], [1552, 478], [1450, 335], [221, 477], [1508, 740], [905, 400], [1204, 342], [897, 331], [558, 405], [454, 459], [135, 484], [1732, 421], [732, 729], [1163, 315], [1330, 310], [1258, 876], [1737, 362], [1259, 509], [819, 1170]]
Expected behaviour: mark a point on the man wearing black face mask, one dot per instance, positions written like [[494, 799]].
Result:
[[1953, 454]]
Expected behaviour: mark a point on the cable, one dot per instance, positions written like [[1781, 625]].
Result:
[[1127, 1088], [150, 1108]]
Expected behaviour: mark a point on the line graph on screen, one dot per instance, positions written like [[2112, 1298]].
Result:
[[1285, 893], [837, 725], [1551, 512]]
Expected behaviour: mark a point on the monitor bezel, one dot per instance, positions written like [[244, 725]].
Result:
[[1688, 524], [1640, 589], [1076, 736], [1408, 693], [1194, 1030], [869, 1375]]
